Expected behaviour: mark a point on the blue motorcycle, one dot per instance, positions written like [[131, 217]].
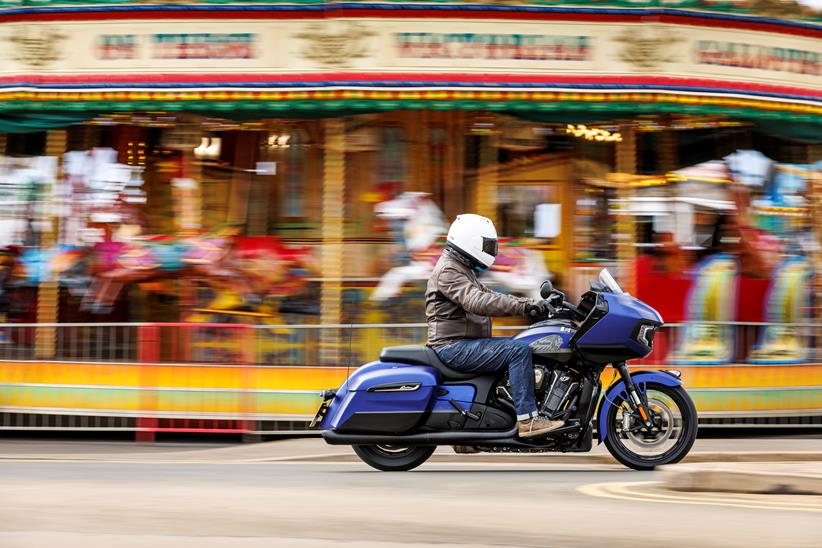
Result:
[[395, 411]]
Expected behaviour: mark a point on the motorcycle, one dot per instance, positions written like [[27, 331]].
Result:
[[396, 411]]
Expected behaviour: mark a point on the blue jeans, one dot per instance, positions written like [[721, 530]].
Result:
[[497, 354]]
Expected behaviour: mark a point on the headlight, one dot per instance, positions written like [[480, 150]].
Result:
[[547, 345], [645, 335]]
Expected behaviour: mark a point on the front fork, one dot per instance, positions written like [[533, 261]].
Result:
[[639, 403]]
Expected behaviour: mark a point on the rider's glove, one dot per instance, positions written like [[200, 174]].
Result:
[[555, 300], [538, 310]]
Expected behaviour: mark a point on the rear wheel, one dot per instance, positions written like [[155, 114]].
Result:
[[394, 458], [673, 434]]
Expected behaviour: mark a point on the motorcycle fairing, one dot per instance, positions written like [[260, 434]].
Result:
[[640, 379], [616, 329]]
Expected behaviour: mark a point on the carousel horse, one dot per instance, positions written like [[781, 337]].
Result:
[[712, 298], [758, 251], [788, 298], [421, 227], [29, 266], [251, 267]]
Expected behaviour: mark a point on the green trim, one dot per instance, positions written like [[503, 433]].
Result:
[[130, 400], [32, 122], [756, 398], [321, 108], [27, 116], [127, 399]]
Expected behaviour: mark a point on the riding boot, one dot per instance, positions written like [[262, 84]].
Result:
[[534, 427]]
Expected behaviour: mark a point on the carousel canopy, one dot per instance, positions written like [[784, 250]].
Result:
[[608, 60]]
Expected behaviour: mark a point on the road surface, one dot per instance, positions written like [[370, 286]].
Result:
[[328, 503]]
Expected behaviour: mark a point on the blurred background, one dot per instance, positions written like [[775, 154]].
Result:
[[269, 185]]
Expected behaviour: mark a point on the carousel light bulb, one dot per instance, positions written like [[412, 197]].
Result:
[[213, 150], [200, 151]]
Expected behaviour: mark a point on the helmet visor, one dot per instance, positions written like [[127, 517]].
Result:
[[490, 246]]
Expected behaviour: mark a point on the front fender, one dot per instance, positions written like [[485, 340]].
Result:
[[640, 379]]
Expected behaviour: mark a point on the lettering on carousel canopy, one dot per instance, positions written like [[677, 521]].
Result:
[[117, 46], [178, 46], [530, 47], [204, 46], [733, 54]]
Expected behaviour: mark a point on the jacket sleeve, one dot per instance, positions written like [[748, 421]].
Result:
[[459, 288]]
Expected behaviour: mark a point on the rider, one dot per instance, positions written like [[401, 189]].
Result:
[[459, 307]]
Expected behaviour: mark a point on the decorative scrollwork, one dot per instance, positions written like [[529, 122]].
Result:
[[335, 49], [648, 49], [37, 47]]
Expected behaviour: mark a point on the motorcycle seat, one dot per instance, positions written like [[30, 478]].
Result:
[[422, 355]]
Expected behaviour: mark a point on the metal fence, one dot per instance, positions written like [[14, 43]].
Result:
[[288, 345], [351, 345], [229, 378]]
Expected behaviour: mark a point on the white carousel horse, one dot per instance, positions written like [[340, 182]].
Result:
[[519, 270]]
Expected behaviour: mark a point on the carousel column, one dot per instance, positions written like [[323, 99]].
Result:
[[626, 162], [416, 128], [815, 155], [188, 220], [454, 194], [668, 153], [486, 195], [331, 309], [48, 292]]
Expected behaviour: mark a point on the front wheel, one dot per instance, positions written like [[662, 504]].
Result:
[[673, 434], [394, 458]]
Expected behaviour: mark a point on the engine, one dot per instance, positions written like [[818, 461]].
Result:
[[556, 391]]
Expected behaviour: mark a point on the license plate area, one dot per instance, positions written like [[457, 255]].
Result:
[[320, 415]]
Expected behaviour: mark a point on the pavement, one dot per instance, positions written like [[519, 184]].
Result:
[[799, 448], [454, 503], [784, 465]]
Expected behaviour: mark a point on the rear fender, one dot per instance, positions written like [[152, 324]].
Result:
[[640, 379]]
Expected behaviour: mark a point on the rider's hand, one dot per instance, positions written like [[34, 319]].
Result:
[[538, 310]]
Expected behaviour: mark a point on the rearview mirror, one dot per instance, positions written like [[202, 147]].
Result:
[[546, 289]]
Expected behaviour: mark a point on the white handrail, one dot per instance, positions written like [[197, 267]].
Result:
[[358, 325]]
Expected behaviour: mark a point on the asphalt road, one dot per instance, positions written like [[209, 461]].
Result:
[[346, 505]]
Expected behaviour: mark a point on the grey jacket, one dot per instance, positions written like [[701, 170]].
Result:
[[459, 307]]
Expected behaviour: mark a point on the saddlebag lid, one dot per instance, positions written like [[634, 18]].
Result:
[[380, 376]]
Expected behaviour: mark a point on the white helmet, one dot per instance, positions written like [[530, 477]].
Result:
[[476, 237]]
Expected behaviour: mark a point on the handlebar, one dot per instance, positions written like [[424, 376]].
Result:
[[572, 307], [559, 298]]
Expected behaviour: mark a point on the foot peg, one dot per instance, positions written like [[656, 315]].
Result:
[[463, 412]]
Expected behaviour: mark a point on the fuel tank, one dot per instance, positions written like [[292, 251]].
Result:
[[550, 339]]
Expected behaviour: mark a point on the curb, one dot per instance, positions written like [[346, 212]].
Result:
[[756, 456], [746, 482]]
